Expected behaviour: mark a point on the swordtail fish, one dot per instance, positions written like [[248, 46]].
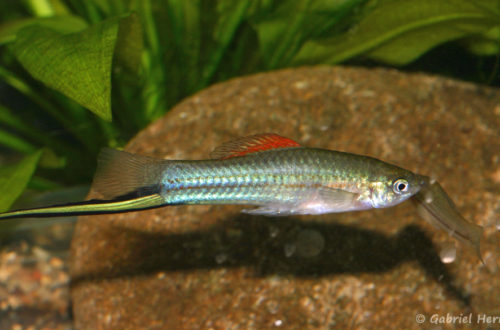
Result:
[[273, 173]]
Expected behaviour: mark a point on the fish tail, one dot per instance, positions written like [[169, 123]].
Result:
[[89, 207], [127, 182], [120, 173]]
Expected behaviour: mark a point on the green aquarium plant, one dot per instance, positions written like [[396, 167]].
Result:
[[77, 75]]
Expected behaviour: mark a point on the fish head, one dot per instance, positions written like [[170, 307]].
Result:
[[395, 187]]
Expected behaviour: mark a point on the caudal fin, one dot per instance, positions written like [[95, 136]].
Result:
[[120, 173], [88, 208], [127, 182]]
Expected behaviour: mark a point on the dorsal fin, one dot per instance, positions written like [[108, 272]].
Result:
[[253, 143]]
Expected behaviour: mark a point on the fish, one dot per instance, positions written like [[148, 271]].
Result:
[[274, 174], [435, 206]]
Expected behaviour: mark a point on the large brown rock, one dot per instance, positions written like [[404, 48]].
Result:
[[190, 267]]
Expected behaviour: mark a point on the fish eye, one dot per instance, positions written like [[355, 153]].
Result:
[[400, 186]]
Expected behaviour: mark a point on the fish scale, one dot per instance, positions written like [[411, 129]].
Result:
[[278, 175]]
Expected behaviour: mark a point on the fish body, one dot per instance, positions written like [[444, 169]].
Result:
[[284, 181], [275, 174]]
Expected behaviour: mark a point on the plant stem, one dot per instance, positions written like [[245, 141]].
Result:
[[25, 89], [39, 183], [16, 143], [225, 39], [31, 132]]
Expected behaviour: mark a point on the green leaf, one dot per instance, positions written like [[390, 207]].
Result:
[[50, 159], [486, 44], [184, 19], [62, 24], [129, 44], [13, 179], [46, 8], [76, 64], [112, 7], [282, 31], [398, 32], [230, 15]]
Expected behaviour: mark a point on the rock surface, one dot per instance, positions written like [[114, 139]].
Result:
[[210, 267]]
